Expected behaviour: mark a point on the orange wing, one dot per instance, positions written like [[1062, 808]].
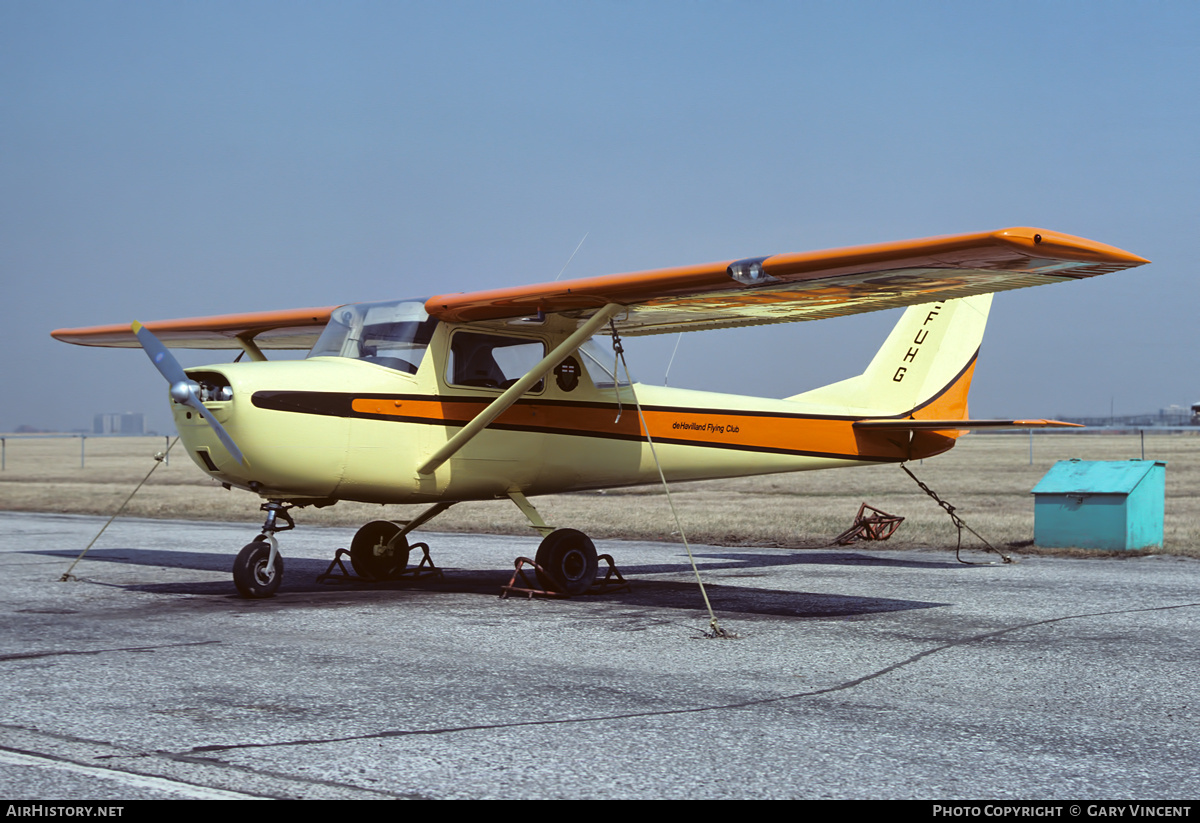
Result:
[[291, 329], [790, 287], [780, 288]]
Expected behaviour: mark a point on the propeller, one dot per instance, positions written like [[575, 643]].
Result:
[[183, 389]]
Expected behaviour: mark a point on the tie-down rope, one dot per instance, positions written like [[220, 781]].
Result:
[[714, 629], [958, 522], [158, 461]]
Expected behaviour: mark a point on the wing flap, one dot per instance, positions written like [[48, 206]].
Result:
[[288, 329]]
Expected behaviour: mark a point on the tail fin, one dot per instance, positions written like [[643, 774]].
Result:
[[925, 365]]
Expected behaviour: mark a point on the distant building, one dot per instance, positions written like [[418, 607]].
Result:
[[119, 423]]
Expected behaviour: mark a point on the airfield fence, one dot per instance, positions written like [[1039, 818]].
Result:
[[1094, 431], [131, 439], [83, 438]]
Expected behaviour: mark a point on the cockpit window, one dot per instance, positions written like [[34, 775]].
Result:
[[393, 334]]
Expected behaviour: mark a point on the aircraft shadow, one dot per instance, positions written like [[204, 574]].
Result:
[[727, 599], [750, 560], [301, 575], [713, 561]]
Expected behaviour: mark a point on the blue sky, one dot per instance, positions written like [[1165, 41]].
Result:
[[174, 159]]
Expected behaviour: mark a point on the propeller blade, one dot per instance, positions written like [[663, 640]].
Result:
[[162, 359], [183, 389]]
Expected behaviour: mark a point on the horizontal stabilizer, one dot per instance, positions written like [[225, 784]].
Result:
[[946, 425]]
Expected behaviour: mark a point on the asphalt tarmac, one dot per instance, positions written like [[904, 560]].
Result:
[[855, 674]]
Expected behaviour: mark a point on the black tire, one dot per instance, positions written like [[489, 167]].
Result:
[[251, 574], [376, 553], [567, 562]]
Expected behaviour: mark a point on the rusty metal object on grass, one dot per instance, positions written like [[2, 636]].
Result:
[[878, 525]]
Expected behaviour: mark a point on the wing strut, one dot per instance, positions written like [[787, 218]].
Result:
[[246, 341], [513, 393]]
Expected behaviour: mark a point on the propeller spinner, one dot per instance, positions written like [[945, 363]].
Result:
[[183, 390]]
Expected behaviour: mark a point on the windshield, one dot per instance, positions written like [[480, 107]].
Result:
[[392, 334]]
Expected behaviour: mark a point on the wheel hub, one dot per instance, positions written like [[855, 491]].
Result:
[[263, 572], [573, 565]]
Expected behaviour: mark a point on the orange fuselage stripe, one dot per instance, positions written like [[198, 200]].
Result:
[[762, 432]]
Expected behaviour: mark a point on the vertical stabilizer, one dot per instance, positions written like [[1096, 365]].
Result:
[[926, 361]]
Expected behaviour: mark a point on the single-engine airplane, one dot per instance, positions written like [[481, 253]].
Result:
[[502, 393]]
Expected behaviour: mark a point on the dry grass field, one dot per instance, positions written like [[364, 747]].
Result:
[[987, 477]]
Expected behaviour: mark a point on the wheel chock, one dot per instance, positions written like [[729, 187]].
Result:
[[343, 575], [607, 583], [612, 580], [426, 568]]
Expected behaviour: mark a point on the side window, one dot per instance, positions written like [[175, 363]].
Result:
[[599, 362], [491, 361]]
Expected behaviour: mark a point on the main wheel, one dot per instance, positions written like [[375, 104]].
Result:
[[566, 562], [378, 552], [252, 574]]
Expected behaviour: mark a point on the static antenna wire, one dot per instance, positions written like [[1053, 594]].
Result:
[[159, 459], [714, 630], [672, 360], [572, 257]]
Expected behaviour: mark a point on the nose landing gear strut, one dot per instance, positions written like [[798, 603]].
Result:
[[258, 569]]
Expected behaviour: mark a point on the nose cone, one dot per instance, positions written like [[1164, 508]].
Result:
[[200, 438], [291, 451], [181, 391]]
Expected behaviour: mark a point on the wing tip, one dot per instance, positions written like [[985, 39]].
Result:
[[1058, 244]]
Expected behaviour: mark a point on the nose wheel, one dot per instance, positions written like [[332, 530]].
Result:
[[254, 574], [258, 568]]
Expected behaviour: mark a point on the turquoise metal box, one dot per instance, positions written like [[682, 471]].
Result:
[[1114, 504]]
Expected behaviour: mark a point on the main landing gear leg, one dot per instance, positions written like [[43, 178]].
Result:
[[258, 569], [566, 558]]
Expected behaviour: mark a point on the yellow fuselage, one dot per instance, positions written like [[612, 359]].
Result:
[[333, 428]]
